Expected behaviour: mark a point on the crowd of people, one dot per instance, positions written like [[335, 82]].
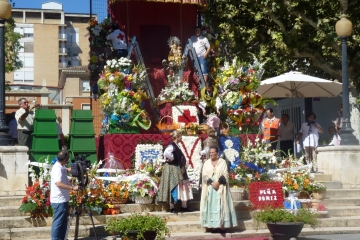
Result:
[[282, 131]]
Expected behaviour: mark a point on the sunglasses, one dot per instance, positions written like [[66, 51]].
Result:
[[25, 102]]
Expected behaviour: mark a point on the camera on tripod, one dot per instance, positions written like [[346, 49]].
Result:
[[79, 167]]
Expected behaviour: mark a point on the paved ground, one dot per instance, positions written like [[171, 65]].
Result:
[[312, 237]]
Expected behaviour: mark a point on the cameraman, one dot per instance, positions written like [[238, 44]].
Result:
[[60, 196]]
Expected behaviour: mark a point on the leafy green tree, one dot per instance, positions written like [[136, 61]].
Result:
[[12, 47], [291, 34]]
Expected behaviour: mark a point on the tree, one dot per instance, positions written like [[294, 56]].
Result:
[[12, 47], [291, 34]]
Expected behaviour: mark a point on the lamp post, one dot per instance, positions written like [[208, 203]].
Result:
[[5, 12], [343, 29]]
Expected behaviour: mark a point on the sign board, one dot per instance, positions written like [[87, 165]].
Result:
[[266, 194]]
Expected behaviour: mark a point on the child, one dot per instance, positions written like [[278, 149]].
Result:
[[335, 137]]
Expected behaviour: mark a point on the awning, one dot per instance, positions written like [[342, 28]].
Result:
[[202, 3]]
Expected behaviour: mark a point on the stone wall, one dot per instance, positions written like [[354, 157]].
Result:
[[342, 162], [13, 170]]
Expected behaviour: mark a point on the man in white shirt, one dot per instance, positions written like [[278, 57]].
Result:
[[309, 133], [202, 48], [286, 134], [60, 196], [118, 40], [25, 122]]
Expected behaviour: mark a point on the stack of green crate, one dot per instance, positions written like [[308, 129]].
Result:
[[45, 136], [82, 134]]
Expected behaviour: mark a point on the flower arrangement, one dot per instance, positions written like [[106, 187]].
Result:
[[177, 92], [238, 82], [141, 223], [146, 154], [37, 197], [143, 186], [123, 99]]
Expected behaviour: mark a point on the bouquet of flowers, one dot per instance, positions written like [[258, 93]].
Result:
[[123, 99], [144, 186], [176, 92], [37, 197]]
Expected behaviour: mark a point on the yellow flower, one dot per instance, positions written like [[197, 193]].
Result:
[[129, 78], [93, 59]]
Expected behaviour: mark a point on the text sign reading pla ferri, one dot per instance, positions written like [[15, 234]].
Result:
[[266, 194]]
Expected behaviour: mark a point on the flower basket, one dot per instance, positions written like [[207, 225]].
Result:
[[116, 200], [143, 200], [237, 194], [39, 212], [165, 128]]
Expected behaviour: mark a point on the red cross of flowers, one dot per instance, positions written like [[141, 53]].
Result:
[[121, 36], [187, 118]]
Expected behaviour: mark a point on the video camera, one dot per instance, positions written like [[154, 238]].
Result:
[[79, 167]]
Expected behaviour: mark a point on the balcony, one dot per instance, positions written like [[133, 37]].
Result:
[[62, 51], [62, 36], [63, 65]]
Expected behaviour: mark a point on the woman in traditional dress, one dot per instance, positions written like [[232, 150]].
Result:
[[174, 183], [216, 206]]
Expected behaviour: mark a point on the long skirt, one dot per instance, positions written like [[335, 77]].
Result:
[[211, 215], [170, 178]]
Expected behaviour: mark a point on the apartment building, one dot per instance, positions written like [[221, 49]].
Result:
[[55, 53]]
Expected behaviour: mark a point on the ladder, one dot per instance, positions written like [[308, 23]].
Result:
[[149, 91], [195, 61]]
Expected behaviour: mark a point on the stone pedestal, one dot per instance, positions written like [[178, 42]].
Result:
[[342, 162], [13, 170]]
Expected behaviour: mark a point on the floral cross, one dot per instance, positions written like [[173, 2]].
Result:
[[187, 118]]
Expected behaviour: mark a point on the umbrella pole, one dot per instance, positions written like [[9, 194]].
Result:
[[293, 121]]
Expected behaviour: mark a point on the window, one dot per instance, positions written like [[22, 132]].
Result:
[[85, 107], [85, 85], [29, 47], [28, 35]]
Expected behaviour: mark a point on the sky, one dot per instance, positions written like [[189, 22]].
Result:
[[69, 6]]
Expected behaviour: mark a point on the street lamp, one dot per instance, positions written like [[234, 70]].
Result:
[[343, 29], [5, 12]]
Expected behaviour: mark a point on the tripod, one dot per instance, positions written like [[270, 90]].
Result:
[[83, 181]]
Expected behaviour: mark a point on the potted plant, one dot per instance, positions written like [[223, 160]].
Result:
[[138, 226], [284, 224]]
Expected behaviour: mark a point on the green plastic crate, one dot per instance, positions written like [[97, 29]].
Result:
[[48, 114], [45, 127], [80, 143], [82, 127], [45, 143], [82, 114], [129, 130]]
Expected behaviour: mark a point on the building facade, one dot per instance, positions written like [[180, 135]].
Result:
[[55, 51]]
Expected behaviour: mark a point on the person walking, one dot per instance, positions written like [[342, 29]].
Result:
[[309, 134], [202, 48], [216, 207], [60, 196], [25, 122], [174, 182], [270, 126], [286, 134]]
